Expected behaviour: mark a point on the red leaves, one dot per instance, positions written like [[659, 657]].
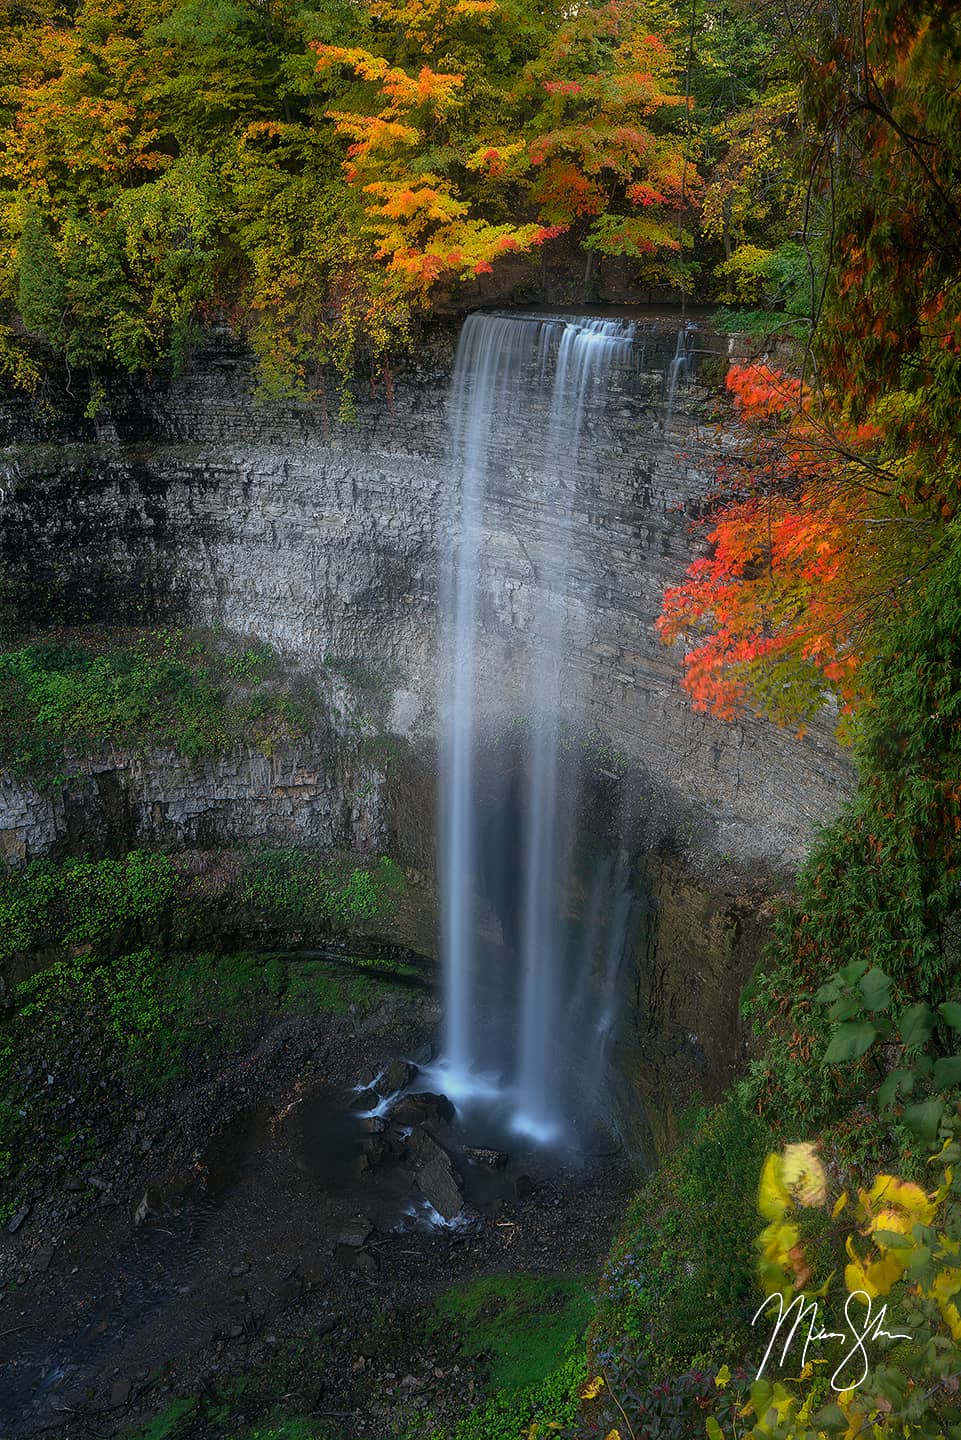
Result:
[[797, 556], [761, 392], [563, 87], [547, 232]]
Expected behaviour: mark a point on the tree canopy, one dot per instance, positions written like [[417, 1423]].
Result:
[[312, 173]]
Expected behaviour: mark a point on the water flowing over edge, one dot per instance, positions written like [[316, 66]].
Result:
[[554, 1011]]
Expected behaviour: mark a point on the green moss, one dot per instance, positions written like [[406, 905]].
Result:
[[181, 1420], [539, 1409], [173, 1423], [520, 1323], [681, 1276], [141, 898], [167, 688], [83, 902], [294, 885], [527, 1332], [761, 323]]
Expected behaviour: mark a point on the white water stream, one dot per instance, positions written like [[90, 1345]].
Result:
[[552, 1013]]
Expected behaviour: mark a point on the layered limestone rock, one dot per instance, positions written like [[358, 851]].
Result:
[[191, 503], [188, 502]]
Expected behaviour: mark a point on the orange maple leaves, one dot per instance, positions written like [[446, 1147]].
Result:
[[799, 559]]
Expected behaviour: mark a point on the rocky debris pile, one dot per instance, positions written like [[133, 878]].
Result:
[[414, 1130]]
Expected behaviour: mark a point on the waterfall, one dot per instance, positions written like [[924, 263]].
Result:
[[522, 1015]]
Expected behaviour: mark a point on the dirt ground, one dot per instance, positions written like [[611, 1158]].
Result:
[[219, 1239]]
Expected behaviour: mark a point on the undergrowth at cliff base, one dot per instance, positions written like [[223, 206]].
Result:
[[142, 1026], [665, 1295], [98, 982], [527, 1334], [148, 897], [209, 1415]]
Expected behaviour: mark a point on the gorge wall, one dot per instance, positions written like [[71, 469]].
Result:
[[187, 502]]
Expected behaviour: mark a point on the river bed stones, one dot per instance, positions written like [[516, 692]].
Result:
[[480, 1155], [416, 1109], [398, 1075]]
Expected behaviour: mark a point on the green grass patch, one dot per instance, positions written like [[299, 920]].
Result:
[[189, 1418], [539, 1409], [173, 1423], [294, 885], [141, 898], [166, 688], [761, 323], [83, 902], [527, 1333], [519, 1323]]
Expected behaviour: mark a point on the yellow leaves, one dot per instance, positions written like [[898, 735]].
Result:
[[497, 160], [593, 1388], [723, 1377], [904, 1195], [429, 87], [889, 1212], [417, 203], [796, 1176], [363, 64], [874, 1277], [803, 1174], [430, 22], [772, 1196], [372, 133]]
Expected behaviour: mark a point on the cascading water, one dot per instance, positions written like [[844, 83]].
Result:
[[526, 1014]]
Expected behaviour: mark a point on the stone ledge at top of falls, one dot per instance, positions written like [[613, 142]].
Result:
[[197, 504]]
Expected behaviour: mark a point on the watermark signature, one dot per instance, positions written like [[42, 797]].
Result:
[[862, 1329]]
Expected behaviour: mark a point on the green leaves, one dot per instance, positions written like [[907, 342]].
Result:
[[898, 1080], [947, 1072], [875, 988], [924, 1119], [915, 1025], [849, 1042]]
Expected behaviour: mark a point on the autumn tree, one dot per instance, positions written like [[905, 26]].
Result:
[[309, 175], [845, 482]]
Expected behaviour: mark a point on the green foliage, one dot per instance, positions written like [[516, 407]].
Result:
[[868, 954], [83, 902], [41, 296], [181, 1419], [166, 689], [171, 1424], [757, 322], [538, 1409], [293, 885], [521, 1323], [665, 1292]]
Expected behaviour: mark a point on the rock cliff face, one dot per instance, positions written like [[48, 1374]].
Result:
[[301, 795], [195, 504], [187, 502]]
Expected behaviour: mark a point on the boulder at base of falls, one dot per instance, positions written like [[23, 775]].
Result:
[[480, 1155], [357, 1233], [440, 1186], [415, 1109], [364, 1100], [397, 1076]]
